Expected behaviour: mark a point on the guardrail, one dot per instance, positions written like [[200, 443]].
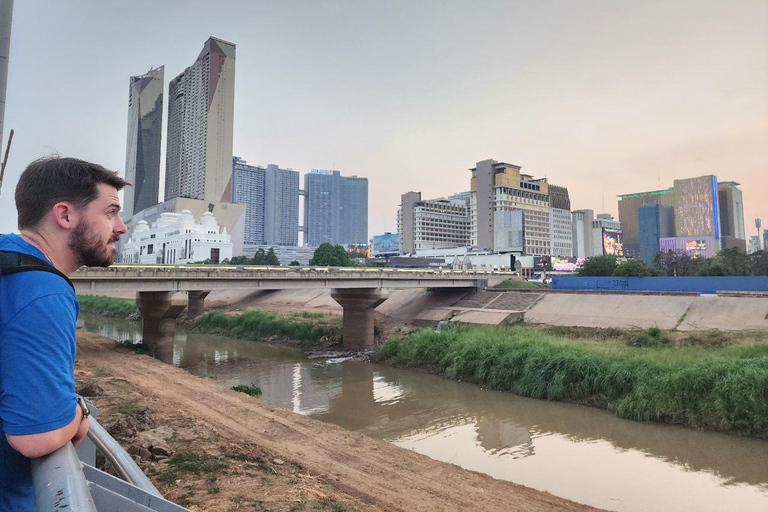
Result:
[[61, 484]]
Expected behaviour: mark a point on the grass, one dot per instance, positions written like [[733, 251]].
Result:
[[724, 389], [191, 463], [516, 284], [248, 390], [306, 314], [109, 306], [131, 408], [257, 326]]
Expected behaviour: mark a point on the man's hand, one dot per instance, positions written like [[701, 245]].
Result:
[[82, 431]]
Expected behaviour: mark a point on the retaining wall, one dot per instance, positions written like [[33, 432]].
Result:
[[663, 284]]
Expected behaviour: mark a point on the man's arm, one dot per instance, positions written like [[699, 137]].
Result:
[[37, 445]]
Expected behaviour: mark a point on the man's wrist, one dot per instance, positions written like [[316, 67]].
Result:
[[83, 407]]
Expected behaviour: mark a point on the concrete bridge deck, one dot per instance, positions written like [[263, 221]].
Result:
[[357, 290]]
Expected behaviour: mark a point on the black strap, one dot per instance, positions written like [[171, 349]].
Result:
[[14, 262]]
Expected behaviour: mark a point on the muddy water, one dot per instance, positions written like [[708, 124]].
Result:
[[576, 452]]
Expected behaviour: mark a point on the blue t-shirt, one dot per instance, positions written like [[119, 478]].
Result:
[[38, 317]]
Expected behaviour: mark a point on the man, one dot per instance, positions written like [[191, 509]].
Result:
[[69, 216]]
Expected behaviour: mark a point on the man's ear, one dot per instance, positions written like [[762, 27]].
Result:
[[64, 215]]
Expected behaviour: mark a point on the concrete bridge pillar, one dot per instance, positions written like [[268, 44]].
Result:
[[358, 304], [196, 305], [159, 311]]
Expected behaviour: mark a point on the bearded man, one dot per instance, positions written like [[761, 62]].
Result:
[[68, 216]]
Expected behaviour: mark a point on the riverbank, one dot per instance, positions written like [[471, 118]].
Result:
[[229, 451], [708, 380]]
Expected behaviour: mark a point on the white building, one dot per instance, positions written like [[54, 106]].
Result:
[[176, 239], [432, 223]]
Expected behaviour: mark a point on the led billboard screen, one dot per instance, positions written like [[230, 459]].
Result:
[[612, 243], [696, 208], [386, 245]]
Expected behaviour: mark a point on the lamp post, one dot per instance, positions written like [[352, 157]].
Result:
[[758, 225]]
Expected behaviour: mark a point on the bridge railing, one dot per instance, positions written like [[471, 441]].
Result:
[[60, 482]]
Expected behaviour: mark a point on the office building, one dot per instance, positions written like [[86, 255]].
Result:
[[582, 231], [607, 236], [731, 210], [698, 214], [271, 196], [499, 187], [201, 104], [142, 152], [335, 208], [176, 239], [560, 225], [432, 223], [656, 221]]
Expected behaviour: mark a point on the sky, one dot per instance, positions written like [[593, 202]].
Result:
[[604, 97]]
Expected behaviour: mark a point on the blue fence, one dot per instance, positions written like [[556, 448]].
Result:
[[663, 284]]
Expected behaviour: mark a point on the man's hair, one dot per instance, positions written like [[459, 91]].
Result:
[[51, 180]]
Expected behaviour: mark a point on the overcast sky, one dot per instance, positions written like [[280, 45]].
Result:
[[603, 97]]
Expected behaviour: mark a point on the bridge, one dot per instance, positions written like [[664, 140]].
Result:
[[359, 291]]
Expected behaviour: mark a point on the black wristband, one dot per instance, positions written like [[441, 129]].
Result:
[[83, 406]]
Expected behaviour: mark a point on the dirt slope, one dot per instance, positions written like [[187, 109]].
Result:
[[374, 474]]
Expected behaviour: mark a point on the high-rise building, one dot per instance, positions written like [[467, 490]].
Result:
[[432, 223], [560, 223], [497, 188], [335, 208], [142, 152], [581, 225], [731, 210], [271, 196], [607, 236], [702, 223], [201, 106], [656, 221]]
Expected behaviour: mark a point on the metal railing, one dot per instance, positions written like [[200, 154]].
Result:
[[60, 483]]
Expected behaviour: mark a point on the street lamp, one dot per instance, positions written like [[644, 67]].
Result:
[[758, 225]]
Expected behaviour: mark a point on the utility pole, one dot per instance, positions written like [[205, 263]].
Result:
[[758, 225]]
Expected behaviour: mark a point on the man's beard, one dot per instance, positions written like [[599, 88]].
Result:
[[89, 250]]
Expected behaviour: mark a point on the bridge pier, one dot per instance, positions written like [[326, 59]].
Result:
[[159, 311], [196, 304], [358, 304]]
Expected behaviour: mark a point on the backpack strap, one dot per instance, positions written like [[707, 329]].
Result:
[[14, 262]]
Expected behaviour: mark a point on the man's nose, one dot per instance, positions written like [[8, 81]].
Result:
[[120, 228]]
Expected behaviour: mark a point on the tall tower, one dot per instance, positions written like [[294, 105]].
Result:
[[142, 152], [335, 208], [201, 110]]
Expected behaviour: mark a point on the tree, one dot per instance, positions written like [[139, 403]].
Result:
[[294, 263], [676, 264], [331, 255], [759, 263], [271, 257], [736, 261], [239, 260], [635, 268], [260, 258], [598, 266]]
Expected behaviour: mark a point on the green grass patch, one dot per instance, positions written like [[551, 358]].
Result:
[[724, 389], [109, 306], [516, 284], [306, 314], [332, 505], [191, 463], [137, 348], [257, 326], [248, 390], [131, 408]]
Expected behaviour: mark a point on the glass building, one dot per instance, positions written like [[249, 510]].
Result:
[[335, 208], [142, 155]]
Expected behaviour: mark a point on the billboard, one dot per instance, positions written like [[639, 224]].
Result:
[[387, 244], [696, 207], [612, 242]]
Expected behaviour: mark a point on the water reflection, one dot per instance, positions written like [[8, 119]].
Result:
[[572, 451]]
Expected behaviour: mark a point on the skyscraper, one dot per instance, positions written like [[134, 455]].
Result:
[[142, 149], [335, 208], [201, 105], [272, 198]]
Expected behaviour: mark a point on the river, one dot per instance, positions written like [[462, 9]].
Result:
[[576, 452]]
